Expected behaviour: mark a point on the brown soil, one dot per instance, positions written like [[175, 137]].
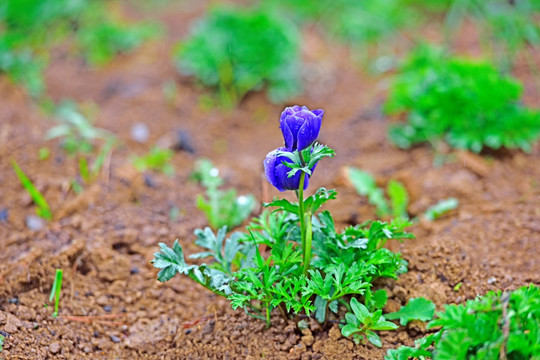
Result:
[[112, 306]]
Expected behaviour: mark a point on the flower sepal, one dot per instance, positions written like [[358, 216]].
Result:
[[306, 159]]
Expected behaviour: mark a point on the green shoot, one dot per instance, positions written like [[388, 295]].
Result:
[[157, 159], [365, 185], [76, 131], [44, 153], [43, 210], [83, 169], [56, 290], [442, 207], [1, 342]]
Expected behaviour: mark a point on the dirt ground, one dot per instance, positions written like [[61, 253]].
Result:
[[112, 306]]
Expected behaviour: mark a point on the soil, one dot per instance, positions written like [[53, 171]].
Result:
[[112, 306]]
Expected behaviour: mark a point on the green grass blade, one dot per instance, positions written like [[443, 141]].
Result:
[[43, 209]]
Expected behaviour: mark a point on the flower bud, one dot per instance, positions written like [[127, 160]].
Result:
[[300, 126], [277, 173]]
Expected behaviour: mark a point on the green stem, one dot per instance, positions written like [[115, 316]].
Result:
[[268, 316], [308, 237], [301, 215]]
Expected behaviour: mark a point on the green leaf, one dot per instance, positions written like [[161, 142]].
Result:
[[285, 205], [320, 304], [442, 207], [383, 325], [349, 329], [399, 198], [170, 261], [43, 208], [321, 196], [359, 309], [373, 338], [417, 309]]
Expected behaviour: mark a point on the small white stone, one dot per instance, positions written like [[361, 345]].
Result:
[[140, 132]]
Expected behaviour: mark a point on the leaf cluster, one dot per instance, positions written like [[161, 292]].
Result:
[[466, 103], [221, 207], [262, 270], [494, 326], [237, 50], [362, 322]]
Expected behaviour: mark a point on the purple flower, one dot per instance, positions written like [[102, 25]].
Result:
[[300, 126], [276, 172]]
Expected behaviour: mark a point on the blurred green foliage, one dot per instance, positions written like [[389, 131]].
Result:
[[30, 28], [357, 22], [157, 159], [507, 26], [467, 103], [238, 50]]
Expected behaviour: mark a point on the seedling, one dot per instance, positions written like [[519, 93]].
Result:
[[76, 131], [222, 208], [489, 115], [157, 159], [292, 259], [43, 208], [56, 290], [494, 326], [1, 342], [365, 185], [236, 50], [363, 323], [441, 208]]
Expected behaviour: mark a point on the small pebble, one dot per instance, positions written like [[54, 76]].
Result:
[[55, 348], [188, 331], [13, 300], [96, 334], [149, 181], [115, 339], [140, 132], [134, 270], [492, 280], [107, 308], [34, 222], [3, 215], [183, 142]]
